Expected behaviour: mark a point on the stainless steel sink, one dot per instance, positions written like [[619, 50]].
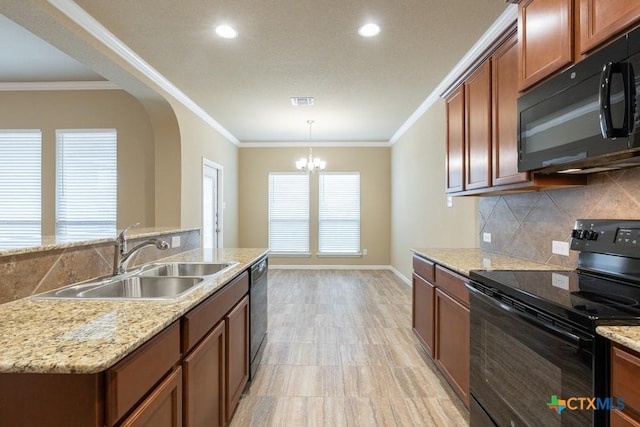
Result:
[[185, 269], [132, 287]]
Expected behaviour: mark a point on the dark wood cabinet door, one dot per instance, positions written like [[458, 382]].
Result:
[[545, 38], [237, 354], [477, 98], [423, 312], [455, 141], [625, 369], [452, 343], [163, 408], [601, 20], [504, 112], [204, 386]]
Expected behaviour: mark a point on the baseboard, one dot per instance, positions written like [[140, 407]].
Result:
[[402, 277]]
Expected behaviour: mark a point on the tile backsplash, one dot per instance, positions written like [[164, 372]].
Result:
[[524, 225], [22, 275]]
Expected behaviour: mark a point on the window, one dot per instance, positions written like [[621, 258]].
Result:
[[86, 184], [339, 213], [289, 213], [20, 188]]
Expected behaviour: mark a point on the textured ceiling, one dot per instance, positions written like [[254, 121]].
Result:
[[364, 89]]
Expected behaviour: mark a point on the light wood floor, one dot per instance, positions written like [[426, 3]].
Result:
[[341, 352]]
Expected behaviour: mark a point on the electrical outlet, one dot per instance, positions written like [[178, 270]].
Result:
[[560, 248], [175, 241], [486, 237], [364, 252]]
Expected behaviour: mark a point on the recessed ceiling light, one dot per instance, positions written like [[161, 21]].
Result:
[[369, 30], [226, 32]]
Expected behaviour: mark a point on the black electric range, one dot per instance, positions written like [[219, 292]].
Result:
[[533, 332]]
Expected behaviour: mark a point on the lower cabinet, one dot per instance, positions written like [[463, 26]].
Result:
[[163, 408], [441, 321], [237, 355], [452, 347], [204, 391], [625, 369], [424, 313]]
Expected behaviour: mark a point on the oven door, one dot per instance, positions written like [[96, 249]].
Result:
[[519, 362]]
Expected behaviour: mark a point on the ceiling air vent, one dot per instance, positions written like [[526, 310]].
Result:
[[302, 100]]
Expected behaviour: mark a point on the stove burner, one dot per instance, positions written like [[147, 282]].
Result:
[[608, 299]]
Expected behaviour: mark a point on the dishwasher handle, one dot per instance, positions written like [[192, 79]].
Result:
[[258, 270]]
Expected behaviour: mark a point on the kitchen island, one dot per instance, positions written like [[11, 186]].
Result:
[[85, 347]]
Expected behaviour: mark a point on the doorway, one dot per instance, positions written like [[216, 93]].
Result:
[[212, 205]]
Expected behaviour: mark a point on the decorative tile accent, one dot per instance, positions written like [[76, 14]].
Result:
[[538, 218]]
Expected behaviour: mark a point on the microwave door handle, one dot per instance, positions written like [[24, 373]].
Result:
[[630, 97], [606, 123]]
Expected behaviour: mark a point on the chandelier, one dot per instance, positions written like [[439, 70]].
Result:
[[310, 164]]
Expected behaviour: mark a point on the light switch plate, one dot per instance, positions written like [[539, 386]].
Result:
[[175, 241], [449, 201], [486, 237], [560, 248]]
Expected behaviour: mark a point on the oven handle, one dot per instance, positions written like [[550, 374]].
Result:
[[560, 333]]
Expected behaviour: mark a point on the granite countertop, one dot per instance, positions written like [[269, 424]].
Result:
[[16, 246], [628, 336], [76, 336], [463, 260]]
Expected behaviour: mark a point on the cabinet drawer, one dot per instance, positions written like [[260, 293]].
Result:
[[197, 322], [132, 378], [625, 368], [453, 283], [423, 268]]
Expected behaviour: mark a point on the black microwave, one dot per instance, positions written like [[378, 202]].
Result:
[[585, 119]]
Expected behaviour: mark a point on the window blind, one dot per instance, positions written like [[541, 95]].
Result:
[[339, 213], [289, 213], [86, 184], [20, 188]]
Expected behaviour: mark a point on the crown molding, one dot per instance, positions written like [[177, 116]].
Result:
[[499, 26], [78, 15], [306, 144], [29, 86]]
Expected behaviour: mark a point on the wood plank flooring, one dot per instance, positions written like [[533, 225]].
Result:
[[340, 352]]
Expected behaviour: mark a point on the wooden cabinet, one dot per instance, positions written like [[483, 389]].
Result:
[[441, 321], [424, 312], [625, 368], [545, 36], [216, 368], [601, 20], [482, 142], [455, 140], [477, 99], [452, 347], [163, 408], [204, 384], [556, 33], [504, 113]]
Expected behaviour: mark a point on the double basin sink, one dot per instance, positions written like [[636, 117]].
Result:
[[158, 281]]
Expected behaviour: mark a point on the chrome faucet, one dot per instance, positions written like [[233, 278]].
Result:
[[122, 257]]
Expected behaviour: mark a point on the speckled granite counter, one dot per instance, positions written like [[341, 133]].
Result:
[[75, 336], [464, 260], [628, 336]]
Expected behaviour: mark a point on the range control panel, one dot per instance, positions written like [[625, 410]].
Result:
[[607, 236]]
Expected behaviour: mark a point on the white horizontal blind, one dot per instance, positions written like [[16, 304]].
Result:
[[289, 213], [86, 187], [339, 213], [20, 188]]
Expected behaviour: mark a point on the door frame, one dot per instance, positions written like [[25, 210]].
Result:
[[206, 163]]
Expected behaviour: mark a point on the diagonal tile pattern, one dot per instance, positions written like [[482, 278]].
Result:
[[341, 352]]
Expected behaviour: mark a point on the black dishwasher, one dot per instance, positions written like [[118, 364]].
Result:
[[258, 313]]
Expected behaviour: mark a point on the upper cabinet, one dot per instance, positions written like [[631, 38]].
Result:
[[556, 33], [482, 138], [601, 20], [545, 35]]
